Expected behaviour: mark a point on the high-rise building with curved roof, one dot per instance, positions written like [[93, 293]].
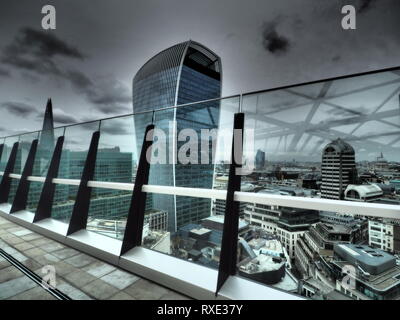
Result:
[[184, 73]]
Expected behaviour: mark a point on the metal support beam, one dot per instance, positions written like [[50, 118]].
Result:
[[43, 210], [81, 207], [1, 150], [21, 195], [228, 257], [134, 223], [6, 181]]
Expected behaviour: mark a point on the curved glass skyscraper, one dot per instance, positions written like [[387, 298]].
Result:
[[184, 73]]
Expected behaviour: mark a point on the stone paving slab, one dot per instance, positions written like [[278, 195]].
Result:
[[120, 279], [78, 275], [146, 290], [15, 286], [99, 269], [36, 293]]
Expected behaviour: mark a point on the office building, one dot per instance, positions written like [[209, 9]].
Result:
[[384, 234], [260, 160], [338, 169], [184, 73], [288, 224]]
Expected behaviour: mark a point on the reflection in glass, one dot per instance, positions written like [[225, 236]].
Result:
[[44, 153], [194, 225], [336, 140], [117, 161], [25, 141], [76, 145]]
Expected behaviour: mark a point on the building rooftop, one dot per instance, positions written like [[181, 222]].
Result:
[[220, 220], [200, 231], [336, 228], [372, 261], [338, 146], [365, 190]]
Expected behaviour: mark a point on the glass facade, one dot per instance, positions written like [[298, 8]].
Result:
[[184, 73]]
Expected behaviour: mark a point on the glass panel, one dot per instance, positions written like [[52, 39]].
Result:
[[108, 212], [117, 161], [8, 145], [73, 157], [117, 156], [25, 142], [335, 140], [44, 154], [35, 189], [203, 137]]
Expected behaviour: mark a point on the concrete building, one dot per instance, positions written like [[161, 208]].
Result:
[[288, 224], [320, 241], [384, 234], [221, 183]]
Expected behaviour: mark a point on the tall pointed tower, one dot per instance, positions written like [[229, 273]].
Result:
[[47, 136]]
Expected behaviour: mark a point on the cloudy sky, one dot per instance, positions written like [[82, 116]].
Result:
[[87, 64]]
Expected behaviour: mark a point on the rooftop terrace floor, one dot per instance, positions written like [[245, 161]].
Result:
[[79, 276]]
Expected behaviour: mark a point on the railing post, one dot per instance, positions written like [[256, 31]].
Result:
[[21, 195], [228, 257], [43, 210], [81, 207], [1, 150], [6, 180], [134, 223]]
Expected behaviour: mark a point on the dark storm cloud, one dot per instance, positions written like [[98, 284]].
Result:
[[78, 80], [18, 108], [272, 41], [107, 94], [40, 66], [62, 117], [110, 92], [34, 51], [41, 44], [115, 129], [114, 109], [366, 5]]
